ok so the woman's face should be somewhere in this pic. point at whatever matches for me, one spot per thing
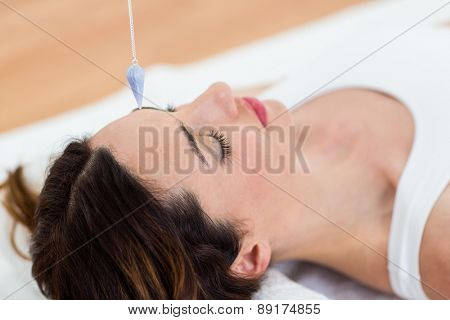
(215, 147)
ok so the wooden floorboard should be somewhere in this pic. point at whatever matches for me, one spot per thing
(41, 76)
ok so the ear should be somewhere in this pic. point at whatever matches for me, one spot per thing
(253, 259)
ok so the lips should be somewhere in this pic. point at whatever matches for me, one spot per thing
(258, 107)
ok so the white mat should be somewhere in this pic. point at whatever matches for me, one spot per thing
(260, 62)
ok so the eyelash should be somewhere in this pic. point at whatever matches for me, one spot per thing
(219, 136)
(223, 141)
(171, 107)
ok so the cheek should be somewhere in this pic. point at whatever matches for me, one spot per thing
(279, 150)
(265, 152)
(254, 199)
(252, 152)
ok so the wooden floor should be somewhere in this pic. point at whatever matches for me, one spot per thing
(56, 55)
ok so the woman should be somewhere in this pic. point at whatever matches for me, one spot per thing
(197, 201)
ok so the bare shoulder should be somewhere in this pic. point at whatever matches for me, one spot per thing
(435, 250)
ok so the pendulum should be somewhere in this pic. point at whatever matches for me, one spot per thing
(135, 73)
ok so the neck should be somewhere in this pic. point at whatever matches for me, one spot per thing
(312, 225)
(323, 211)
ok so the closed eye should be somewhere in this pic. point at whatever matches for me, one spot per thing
(225, 145)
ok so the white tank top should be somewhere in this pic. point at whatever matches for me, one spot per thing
(415, 69)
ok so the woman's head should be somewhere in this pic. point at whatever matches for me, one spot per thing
(101, 232)
(217, 148)
(125, 215)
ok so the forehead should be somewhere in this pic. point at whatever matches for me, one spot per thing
(142, 131)
(125, 130)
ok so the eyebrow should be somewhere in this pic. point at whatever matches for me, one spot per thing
(193, 143)
(153, 108)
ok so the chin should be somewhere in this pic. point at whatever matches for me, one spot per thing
(274, 109)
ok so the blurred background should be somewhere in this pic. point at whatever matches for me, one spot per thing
(57, 55)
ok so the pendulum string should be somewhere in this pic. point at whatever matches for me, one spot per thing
(135, 74)
(133, 44)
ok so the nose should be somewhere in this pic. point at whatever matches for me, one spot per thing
(216, 104)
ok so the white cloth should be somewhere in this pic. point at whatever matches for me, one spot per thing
(277, 286)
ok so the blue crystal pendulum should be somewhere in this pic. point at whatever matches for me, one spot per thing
(135, 74)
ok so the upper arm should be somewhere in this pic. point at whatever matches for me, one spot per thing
(435, 250)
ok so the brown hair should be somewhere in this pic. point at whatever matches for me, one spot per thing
(100, 232)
